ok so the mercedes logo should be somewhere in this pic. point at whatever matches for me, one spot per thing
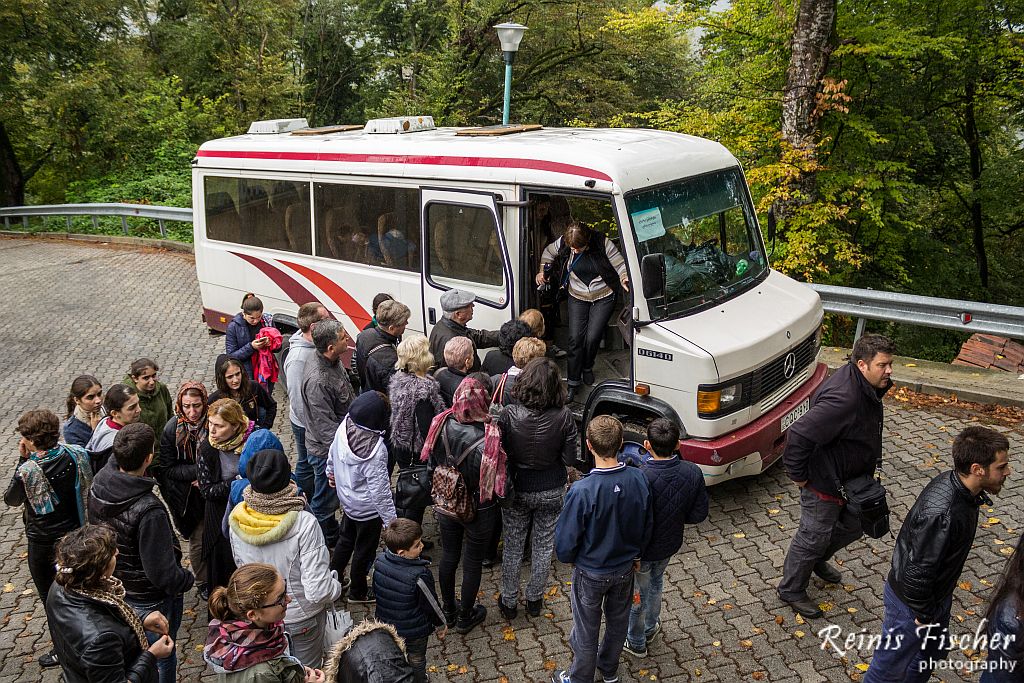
(789, 367)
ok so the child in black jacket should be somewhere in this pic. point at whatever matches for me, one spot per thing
(404, 587)
(678, 497)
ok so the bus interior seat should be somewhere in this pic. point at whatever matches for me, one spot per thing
(222, 221)
(296, 226)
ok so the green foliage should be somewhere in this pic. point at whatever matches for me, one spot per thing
(915, 176)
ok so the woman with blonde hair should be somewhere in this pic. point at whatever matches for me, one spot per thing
(96, 634)
(246, 640)
(415, 400)
(217, 466)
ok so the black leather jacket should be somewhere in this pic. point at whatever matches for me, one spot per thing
(933, 545)
(461, 436)
(369, 654)
(538, 440)
(62, 474)
(93, 642)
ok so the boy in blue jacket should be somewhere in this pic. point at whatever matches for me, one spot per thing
(602, 530)
(678, 498)
(406, 597)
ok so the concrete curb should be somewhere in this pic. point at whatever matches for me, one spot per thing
(974, 385)
(169, 245)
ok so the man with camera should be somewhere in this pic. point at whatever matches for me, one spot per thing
(831, 452)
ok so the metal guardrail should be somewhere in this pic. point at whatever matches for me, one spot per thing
(159, 213)
(926, 311)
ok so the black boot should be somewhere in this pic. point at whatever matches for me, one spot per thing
(467, 622)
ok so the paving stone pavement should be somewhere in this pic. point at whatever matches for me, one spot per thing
(73, 308)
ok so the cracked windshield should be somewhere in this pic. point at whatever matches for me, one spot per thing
(705, 228)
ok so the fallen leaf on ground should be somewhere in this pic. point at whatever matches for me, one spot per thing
(508, 633)
(861, 667)
(757, 675)
(779, 619)
(8, 587)
(739, 534)
(964, 585)
(549, 665)
(799, 634)
(747, 643)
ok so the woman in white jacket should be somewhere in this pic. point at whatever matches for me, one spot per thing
(357, 466)
(272, 526)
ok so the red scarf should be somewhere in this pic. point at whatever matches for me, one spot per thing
(238, 645)
(470, 404)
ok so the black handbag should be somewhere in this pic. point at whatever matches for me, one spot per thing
(412, 490)
(865, 498)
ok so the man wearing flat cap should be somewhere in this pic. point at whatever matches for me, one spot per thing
(457, 307)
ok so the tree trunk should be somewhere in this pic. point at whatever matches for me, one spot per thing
(12, 180)
(808, 63)
(973, 140)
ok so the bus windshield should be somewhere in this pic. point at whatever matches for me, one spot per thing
(706, 230)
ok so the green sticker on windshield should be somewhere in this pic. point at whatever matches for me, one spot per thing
(648, 224)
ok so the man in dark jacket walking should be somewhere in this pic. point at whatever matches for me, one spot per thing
(457, 308)
(149, 559)
(326, 394)
(930, 553)
(838, 439)
(376, 346)
(678, 497)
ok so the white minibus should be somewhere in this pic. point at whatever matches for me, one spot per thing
(707, 335)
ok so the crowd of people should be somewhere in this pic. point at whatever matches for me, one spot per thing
(416, 424)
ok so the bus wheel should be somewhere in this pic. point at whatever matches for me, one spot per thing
(634, 433)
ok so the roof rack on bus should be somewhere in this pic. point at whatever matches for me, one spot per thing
(276, 126)
(325, 130)
(500, 129)
(399, 124)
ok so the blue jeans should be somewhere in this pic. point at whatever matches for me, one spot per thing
(591, 595)
(303, 467)
(643, 617)
(325, 500)
(904, 654)
(171, 608)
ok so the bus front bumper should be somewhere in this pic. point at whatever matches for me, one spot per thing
(753, 448)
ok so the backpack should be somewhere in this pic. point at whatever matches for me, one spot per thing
(448, 488)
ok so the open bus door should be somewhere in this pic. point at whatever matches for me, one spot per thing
(463, 248)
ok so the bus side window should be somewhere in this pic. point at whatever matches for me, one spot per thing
(370, 225)
(464, 244)
(221, 214)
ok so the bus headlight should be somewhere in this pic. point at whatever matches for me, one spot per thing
(720, 400)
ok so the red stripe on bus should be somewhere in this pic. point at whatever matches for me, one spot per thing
(289, 285)
(345, 302)
(476, 162)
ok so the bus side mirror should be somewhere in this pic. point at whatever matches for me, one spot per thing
(772, 224)
(652, 270)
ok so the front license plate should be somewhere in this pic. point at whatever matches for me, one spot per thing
(792, 416)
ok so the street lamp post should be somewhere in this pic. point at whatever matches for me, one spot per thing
(509, 35)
